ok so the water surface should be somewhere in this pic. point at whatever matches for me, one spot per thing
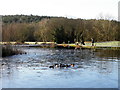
(93, 69)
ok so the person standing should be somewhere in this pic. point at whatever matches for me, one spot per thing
(92, 41)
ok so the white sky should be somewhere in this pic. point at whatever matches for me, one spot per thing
(85, 9)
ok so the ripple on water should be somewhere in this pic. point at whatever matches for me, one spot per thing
(34, 68)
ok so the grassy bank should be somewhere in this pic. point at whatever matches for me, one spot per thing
(107, 44)
(101, 45)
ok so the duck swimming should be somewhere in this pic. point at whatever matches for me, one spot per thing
(68, 66)
(56, 65)
(62, 65)
(51, 67)
(72, 65)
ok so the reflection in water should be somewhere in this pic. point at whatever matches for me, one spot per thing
(91, 66)
(108, 53)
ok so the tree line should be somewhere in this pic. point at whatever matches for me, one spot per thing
(22, 18)
(58, 29)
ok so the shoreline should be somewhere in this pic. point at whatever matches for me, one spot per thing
(88, 45)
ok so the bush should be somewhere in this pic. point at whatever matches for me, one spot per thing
(9, 51)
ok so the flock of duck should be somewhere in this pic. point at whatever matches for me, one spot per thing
(61, 65)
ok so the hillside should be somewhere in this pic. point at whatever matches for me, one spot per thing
(23, 28)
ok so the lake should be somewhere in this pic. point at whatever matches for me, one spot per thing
(94, 68)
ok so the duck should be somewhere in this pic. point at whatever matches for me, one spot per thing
(51, 67)
(72, 65)
(56, 65)
(68, 65)
(2, 64)
(62, 65)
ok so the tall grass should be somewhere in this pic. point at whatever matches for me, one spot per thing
(9, 51)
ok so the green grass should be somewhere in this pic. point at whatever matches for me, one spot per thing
(107, 44)
(102, 45)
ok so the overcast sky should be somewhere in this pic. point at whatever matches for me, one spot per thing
(86, 9)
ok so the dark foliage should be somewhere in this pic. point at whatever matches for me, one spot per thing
(22, 18)
(8, 51)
